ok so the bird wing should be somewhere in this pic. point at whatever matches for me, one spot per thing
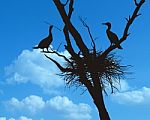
(112, 37)
(44, 43)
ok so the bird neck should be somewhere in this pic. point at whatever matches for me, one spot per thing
(50, 32)
(109, 27)
(50, 35)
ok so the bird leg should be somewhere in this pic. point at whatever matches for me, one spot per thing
(47, 49)
(43, 50)
(112, 44)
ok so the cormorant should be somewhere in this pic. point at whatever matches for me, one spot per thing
(112, 36)
(46, 41)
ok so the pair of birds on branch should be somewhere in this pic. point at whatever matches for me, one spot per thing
(45, 43)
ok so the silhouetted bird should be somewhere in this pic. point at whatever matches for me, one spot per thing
(112, 36)
(46, 41)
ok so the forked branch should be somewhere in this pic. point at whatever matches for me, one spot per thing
(75, 34)
(58, 54)
(130, 20)
(65, 3)
(59, 66)
(135, 2)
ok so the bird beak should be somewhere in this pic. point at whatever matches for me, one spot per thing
(103, 23)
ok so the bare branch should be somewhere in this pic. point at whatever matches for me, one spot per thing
(69, 47)
(59, 66)
(135, 2)
(130, 20)
(88, 28)
(75, 34)
(127, 19)
(88, 68)
(138, 15)
(83, 92)
(70, 8)
(59, 46)
(65, 3)
(58, 54)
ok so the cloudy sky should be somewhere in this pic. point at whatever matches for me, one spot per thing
(30, 88)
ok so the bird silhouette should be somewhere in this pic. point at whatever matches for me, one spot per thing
(112, 36)
(46, 41)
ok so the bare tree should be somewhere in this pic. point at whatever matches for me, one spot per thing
(91, 68)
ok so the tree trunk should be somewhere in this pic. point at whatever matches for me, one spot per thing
(99, 102)
(97, 96)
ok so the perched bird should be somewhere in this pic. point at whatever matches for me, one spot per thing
(46, 41)
(112, 36)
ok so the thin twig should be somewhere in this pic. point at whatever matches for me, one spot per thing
(135, 2)
(59, 66)
(56, 63)
(65, 3)
(88, 28)
(58, 54)
(70, 8)
(59, 46)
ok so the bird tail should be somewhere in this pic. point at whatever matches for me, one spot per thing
(119, 47)
(35, 47)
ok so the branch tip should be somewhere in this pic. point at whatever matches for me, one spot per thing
(138, 15)
(89, 32)
(128, 34)
(127, 19)
(136, 3)
(66, 3)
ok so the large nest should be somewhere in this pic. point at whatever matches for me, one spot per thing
(109, 71)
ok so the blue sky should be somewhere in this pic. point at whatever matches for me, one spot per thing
(29, 86)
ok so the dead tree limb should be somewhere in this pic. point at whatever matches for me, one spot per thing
(58, 54)
(61, 68)
(130, 20)
(76, 35)
(94, 70)
(90, 34)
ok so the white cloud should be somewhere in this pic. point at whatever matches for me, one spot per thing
(140, 96)
(128, 95)
(124, 86)
(20, 118)
(24, 118)
(35, 104)
(121, 86)
(72, 111)
(2, 118)
(34, 67)
(31, 104)
(11, 119)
